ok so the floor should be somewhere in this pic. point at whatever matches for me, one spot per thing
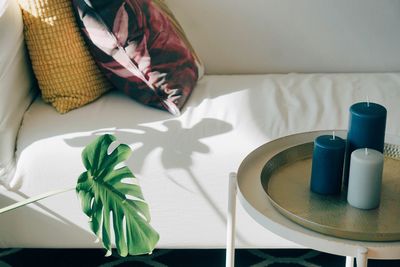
(176, 258)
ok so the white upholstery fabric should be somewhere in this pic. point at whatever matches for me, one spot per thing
(282, 36)
(182, 162)
(15, 82)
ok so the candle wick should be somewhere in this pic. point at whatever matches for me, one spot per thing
(367, 100)
(333, 135)
(366, 151)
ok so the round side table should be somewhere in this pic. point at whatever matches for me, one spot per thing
(247, 186)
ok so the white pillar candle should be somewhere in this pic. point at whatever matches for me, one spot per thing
(365, 178)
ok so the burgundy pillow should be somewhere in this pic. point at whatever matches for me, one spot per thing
(142, 50)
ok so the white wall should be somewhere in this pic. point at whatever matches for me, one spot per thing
(279, 36)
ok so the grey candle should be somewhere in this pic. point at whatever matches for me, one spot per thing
(365, 178)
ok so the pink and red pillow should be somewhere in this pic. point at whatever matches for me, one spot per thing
(142, 50)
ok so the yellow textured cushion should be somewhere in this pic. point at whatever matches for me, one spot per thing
(67, 75)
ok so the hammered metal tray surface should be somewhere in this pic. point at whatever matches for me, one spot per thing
(286, 178)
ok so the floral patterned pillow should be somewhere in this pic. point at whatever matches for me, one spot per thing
(142, 49)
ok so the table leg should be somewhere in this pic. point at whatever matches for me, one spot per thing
(362, 259)
(231, 218)
(349, 261)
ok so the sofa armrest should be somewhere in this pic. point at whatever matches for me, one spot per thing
(16, 83)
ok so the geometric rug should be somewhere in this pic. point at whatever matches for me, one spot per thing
(177, 258)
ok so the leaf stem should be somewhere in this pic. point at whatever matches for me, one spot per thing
(34, 199)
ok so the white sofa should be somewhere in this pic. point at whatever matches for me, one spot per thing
(273, 68)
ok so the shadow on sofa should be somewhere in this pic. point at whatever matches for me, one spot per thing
(175, 143)
(178, 144)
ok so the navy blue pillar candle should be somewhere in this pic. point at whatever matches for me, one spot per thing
(327, 165)
(367, 124)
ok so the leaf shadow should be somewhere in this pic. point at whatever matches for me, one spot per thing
(177, 143)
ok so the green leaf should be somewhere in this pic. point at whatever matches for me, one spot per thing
(104, 197)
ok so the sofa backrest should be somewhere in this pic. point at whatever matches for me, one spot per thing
(281, 36)
(235, 37)
(16, 82)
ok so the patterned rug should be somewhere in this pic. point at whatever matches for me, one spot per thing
(176, 258)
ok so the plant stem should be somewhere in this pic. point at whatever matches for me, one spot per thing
(34, 199)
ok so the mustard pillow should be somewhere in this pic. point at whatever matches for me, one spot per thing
(67, 75)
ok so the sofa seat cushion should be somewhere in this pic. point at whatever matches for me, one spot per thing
(182, 163)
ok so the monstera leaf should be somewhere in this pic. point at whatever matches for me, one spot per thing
(106, 195)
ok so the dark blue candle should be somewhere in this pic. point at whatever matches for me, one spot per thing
(367, 125)
(327, 164)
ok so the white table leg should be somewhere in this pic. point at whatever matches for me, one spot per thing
(362, 259)
(349, 261)
(231, 218)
